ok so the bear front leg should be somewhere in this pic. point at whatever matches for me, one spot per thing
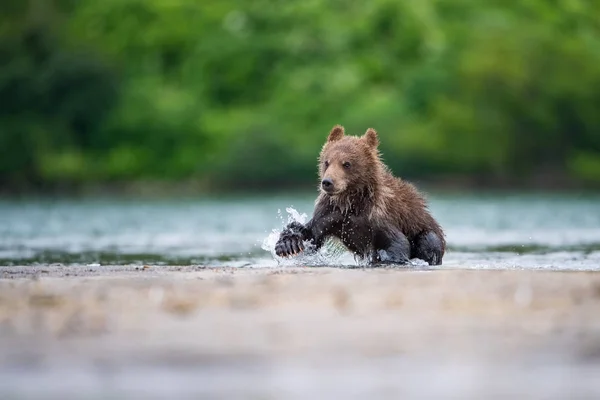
(428, 247)
(324, 223)
(391, 248)
(291, 240)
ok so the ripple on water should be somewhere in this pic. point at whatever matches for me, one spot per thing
(540, 232)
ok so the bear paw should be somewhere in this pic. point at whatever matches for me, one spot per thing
(290, 242)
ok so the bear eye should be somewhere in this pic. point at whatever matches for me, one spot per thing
(346, 165)
(326, 164)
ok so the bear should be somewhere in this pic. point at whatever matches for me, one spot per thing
(380, 218)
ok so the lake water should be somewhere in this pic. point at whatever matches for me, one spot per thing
(539, 231)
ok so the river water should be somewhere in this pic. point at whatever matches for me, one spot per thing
(540, 231)
(484, 231)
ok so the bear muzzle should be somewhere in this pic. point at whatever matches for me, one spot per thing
(327, 185)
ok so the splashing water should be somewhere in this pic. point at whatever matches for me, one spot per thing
(331, 253)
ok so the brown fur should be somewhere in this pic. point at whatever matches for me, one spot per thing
(364, 205)
(369, 187)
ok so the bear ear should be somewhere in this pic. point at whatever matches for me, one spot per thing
(336, 133)
(371, 137)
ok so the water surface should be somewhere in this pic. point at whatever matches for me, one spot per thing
(483, 231)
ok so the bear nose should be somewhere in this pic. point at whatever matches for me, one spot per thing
(327, 184)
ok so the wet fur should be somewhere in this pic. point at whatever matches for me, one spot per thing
(370, 211)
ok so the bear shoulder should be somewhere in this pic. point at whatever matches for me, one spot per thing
(400, 203)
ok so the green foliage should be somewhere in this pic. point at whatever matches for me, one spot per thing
(240, 93)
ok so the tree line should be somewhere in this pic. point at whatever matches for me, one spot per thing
(242, 94)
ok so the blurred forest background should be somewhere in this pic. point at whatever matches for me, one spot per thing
(242, 94)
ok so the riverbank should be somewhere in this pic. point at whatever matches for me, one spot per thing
(198, 188)
(489, 327)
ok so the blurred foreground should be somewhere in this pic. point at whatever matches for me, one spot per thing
(297, 333)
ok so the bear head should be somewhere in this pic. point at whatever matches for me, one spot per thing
(348, 164)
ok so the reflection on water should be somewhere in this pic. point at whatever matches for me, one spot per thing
(501, 231)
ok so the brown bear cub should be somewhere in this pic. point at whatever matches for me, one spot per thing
(377, 216)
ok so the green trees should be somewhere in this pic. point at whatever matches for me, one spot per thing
(243, 93)
(53, 97)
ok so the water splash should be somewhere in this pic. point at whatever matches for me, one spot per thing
(332, 252)
(415, 262)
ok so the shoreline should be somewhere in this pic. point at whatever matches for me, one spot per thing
(195, 324)
(492, 297)
(181, 271)
(195, 188)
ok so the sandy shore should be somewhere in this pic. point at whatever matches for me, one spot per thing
(298, 333)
